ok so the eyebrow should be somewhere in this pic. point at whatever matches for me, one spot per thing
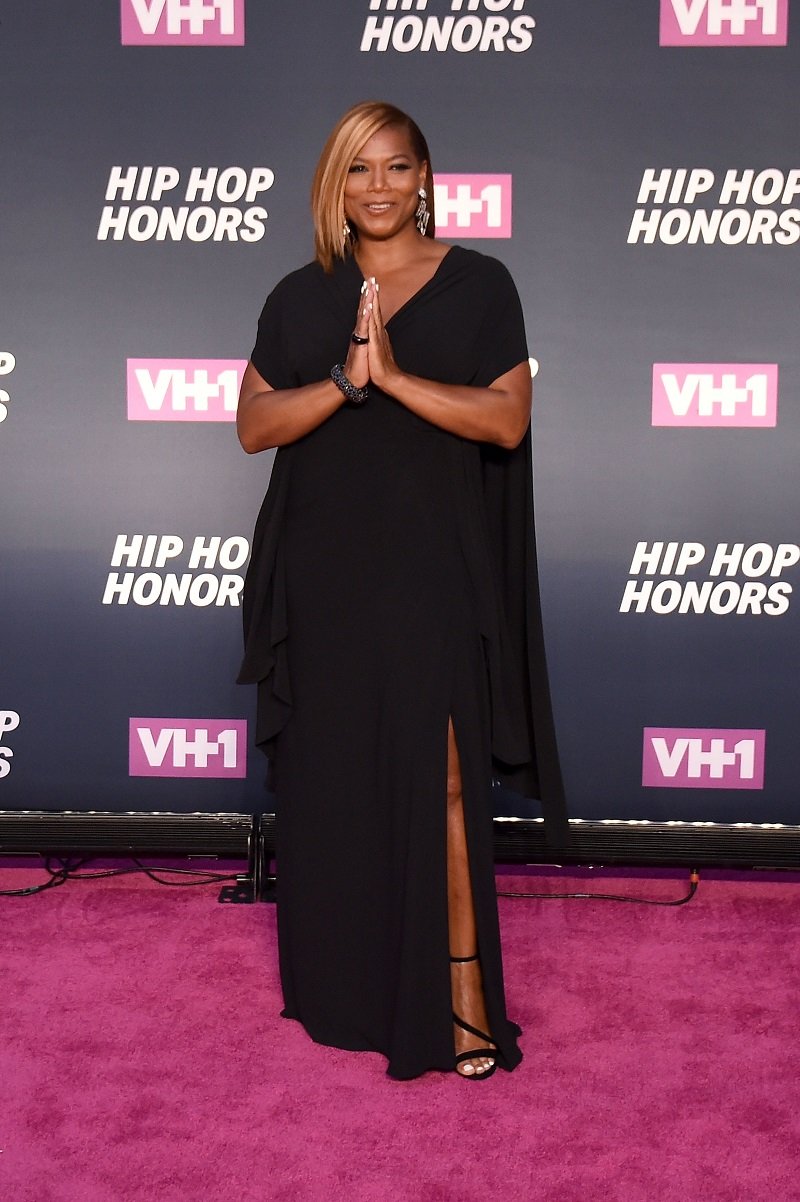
(403, 155)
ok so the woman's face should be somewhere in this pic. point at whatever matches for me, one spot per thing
(382, 189)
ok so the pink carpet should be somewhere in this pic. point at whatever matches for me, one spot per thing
(143, 1059)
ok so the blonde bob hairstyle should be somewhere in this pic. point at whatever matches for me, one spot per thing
(327, 190)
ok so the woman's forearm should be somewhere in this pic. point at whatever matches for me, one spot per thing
(499, 414)
(274, 417)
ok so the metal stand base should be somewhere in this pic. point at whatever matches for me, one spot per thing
(257, 885)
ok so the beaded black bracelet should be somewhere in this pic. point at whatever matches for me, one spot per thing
(356, 396)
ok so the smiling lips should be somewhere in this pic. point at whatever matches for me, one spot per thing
(379, 206)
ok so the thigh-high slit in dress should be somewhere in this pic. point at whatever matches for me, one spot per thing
(375, 611)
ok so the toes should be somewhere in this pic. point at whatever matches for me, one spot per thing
(473, 1068)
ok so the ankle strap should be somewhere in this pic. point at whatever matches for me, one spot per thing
(463, 959)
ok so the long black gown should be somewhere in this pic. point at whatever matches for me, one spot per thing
(374, 612)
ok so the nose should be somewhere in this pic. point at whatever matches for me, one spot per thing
(380, 181)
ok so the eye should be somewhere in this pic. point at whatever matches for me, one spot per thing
(354, 167)
(401, 167)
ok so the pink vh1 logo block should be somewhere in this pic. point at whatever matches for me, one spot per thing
(472, 206)
(213, 747)
(702, 758)
(724, 23)
(715, 394)
(182, 22)
(184, 390)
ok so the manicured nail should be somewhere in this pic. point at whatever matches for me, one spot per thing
(364, 287)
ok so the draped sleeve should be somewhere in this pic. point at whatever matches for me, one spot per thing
(264, 600)
(508, 498)
(269, 355)
(282, 355)
(502, 340)
(509, 509)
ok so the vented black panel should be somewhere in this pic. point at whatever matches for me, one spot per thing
(71, 833)
(516, 841)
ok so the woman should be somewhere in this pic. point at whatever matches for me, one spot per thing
(392, 374)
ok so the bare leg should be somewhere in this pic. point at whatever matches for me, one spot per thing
(465, 979)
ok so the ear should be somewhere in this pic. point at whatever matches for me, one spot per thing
(423, 174)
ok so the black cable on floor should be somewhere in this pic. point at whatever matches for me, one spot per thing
(694, 880)
(56, 878)
(210, 877)
(69, 871)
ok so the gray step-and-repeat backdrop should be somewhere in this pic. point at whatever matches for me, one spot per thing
(635, 163)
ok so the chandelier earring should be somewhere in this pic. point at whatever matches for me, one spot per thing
(347, 233)
(422, 215)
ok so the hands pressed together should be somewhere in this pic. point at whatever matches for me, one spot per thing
(373, 361)
(499, 413)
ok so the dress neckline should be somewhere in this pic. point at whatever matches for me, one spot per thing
(422, 288)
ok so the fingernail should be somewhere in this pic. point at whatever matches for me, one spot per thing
(372, 279)
(364, 287)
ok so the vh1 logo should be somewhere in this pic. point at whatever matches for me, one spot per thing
(715, 394)
(724, 22)
(472, 206)
(184, 390)
(182, 22)
(214, 747)
(701, 758)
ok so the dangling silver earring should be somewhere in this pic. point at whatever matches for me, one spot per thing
(422, 215)
(347, 233)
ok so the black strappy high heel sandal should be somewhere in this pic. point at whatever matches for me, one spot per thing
(474, 1053)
